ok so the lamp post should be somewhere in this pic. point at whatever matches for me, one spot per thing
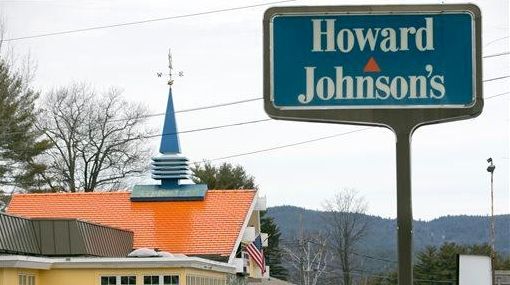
(490, 169)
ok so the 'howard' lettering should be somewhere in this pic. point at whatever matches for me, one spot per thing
(327, 37)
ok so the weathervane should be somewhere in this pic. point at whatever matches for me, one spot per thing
(170, 80)
(170, 68)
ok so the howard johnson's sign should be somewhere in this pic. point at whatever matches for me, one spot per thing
(400, 67)
(370, 59)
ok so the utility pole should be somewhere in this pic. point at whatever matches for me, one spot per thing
(490, 169)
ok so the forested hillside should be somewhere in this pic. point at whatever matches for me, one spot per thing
(381, 238)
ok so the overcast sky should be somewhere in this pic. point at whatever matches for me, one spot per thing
(221, 57)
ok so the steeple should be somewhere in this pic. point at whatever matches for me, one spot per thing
(170, 166)
(170, 138)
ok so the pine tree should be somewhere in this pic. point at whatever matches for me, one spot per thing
(20, 142)
(272, 252)
(228, 176)
(427, 265)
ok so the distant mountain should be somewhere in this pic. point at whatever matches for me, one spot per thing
(381, 239)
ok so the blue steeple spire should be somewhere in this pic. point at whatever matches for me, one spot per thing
(170, 138)
(170, 166)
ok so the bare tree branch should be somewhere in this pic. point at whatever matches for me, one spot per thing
(98, 140)
(347, 223)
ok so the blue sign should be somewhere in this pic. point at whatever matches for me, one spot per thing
(370, 60)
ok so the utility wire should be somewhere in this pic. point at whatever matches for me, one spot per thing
(354, 271)
(368, 273)
(73, 31)
(228, 104)
(496, 40)
(208, 128)
(496, 55)
(281, 146)
(301, 142)
(497, 78)
(202, 108)
(260, 98)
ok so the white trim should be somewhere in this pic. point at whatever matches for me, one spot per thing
(47, 263)
(20, 261)
(245, 224)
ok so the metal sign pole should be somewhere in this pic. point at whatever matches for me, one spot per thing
(404, 207)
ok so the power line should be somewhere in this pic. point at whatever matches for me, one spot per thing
(260, 98)
(300, 143)
(497, 78)
(219, 126)
(497, 95)
(148, 21)
(203, 107)
(496, 40)
(229, 104)
(497, 54)
(283, 146)
(209, 128)
(371, 273)
(182, 111)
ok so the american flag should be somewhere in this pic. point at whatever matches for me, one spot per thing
(256, 252)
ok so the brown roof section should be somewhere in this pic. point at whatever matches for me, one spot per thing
(208, 227)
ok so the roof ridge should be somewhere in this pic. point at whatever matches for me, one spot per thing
(230, 190)
(72, 193)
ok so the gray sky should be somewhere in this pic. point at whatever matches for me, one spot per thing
(221, 57)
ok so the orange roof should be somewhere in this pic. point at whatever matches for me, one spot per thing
(211, 226)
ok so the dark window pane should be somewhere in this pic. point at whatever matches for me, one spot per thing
(151, 280)
(128, 280)
(108, 280)
(171, 280)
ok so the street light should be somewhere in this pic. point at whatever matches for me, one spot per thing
(490, 169)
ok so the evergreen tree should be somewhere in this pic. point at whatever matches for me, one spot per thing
(441, 264)
(273, 252)
(20, 142)
(427, 263)
(228, 176)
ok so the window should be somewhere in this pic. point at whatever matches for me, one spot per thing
(128, 280)
(171, 280)
(151, 280)
(118, 280)
(161, 280)
(26, 279)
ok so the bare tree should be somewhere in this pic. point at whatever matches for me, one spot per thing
(309, 257)
(98, 141)
(347, 223)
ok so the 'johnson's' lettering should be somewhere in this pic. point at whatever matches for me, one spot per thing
(345, 87)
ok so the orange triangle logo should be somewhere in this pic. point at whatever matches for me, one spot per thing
(371, 66)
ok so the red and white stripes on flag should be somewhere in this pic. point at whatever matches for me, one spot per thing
(256, 252)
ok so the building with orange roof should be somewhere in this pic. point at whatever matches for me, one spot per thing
(209, 228)
(182, 219)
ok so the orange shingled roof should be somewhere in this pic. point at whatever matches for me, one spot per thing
(208, 227)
